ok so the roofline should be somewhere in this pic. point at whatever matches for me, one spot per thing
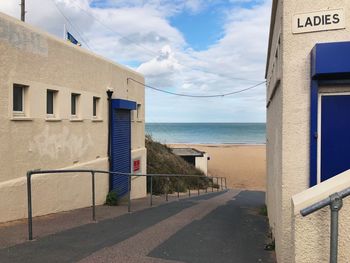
(67, 44)
(200, 153)
(272, 29)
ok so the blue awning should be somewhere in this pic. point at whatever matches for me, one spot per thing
(124, 104)
(331, 61)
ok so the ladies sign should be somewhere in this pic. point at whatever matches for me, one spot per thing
(318, 21)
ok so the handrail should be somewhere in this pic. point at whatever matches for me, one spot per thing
(93, 172)
(335, 202)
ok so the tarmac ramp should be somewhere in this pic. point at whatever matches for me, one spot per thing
(215, 227)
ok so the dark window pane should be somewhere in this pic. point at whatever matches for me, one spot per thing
(49, 101)
(18, 97)
(94, 109)
(74, 99)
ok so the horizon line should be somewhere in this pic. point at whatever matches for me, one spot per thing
(207, 122)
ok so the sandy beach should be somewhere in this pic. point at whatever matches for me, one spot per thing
(242, 165)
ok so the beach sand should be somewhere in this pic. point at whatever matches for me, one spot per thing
(242, 165)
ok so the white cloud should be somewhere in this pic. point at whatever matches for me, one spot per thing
(162, 69)
(143, 34)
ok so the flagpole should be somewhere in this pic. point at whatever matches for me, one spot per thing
(23, 10)
(64, 32)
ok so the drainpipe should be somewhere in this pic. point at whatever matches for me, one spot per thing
(109, 95)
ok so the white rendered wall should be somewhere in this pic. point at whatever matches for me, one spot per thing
(288, 114)
(202, 163)
(34, 58)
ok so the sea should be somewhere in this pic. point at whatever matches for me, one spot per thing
(207, 133)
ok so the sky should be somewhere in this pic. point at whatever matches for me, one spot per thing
(196, 47)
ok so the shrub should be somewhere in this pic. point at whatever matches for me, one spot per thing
(161, 160)
(112, 198)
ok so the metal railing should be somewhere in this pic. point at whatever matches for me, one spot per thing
(335, 203)
(129, 175)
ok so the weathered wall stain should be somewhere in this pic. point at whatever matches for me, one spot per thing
(49, 144)
(23, 39)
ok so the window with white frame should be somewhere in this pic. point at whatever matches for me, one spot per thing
(138, 112)
(95, 107)
(74, 104)
(51, 96)
(18, 105)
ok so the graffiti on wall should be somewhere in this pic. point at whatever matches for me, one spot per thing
(64, 144)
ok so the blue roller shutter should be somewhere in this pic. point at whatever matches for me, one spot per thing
(121, 149)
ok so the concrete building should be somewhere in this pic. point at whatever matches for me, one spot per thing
(54, 114)
(193, 156)
(308, 105)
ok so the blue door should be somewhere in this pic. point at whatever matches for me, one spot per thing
(335, 135)
(121, 149)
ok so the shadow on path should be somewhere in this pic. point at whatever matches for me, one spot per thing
(77, 243)
(234, 232)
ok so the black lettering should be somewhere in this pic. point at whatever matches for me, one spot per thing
(322, 19)
(317, 20)
(328, 19)
(308, 22)
(299, 25)
(336, 18)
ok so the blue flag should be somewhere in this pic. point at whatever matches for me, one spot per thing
(72, 39)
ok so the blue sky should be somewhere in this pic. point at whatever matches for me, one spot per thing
(200, 30)
(200, 47)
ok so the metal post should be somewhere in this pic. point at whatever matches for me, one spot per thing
(109, 150)
(206, 185)
(151, 190)
(335, 206)
(189, 192)
(129, 193)
(93, 196)
(217, 183)
(29, 198)
(212, 184)
(225, 183)
(198, 184)
(178, 187)
(23, 10)
(166, 188)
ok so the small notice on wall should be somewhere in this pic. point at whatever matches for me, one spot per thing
(319, 21)
(136, 166)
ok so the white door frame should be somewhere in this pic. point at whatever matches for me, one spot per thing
(319, 125)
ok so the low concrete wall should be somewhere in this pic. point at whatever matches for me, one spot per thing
(311, 234)
(52, 193)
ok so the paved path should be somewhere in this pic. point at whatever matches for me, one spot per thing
(216, 227)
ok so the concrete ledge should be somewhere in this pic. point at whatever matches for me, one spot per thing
(311, 234)
(320, 191)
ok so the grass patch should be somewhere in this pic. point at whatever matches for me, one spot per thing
(161, 160)
(263, 210)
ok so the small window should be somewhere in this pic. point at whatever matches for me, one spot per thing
(74, 104)
(18, 98)
(50, 102)
(95, 106)
(138, 111)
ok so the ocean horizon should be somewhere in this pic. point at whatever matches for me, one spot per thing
(207, 133)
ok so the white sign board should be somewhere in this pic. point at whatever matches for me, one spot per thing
(318, 21)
